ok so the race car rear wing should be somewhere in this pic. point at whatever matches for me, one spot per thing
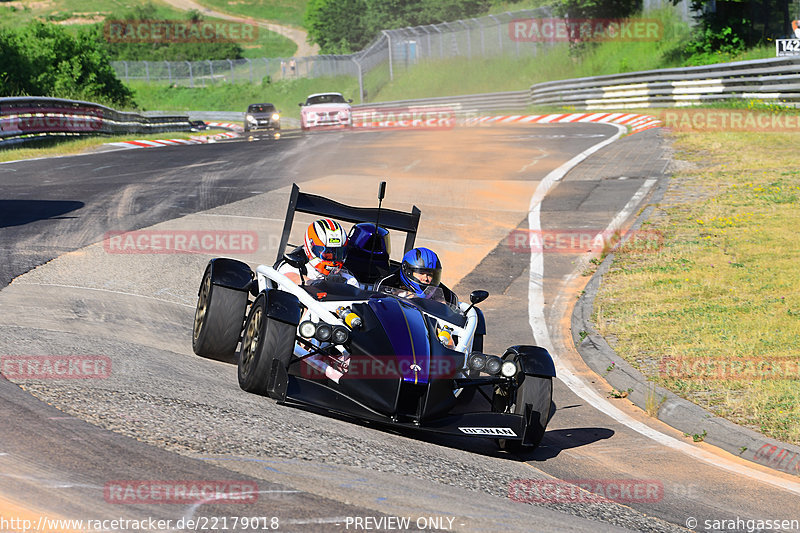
(318, 205)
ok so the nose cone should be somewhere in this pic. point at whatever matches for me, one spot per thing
(407, 331)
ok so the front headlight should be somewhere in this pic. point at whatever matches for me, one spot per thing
(509, 369)
(493, 364)
(307, 329)
(276, 116)
(477, 361)
(250, 118)
(340, 335)
(323, 333)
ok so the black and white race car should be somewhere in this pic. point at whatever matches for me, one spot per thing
(374, 353)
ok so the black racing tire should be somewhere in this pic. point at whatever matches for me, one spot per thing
(536, 392)
(218, 320)
(264, 340)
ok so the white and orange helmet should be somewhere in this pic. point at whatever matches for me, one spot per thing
(325, 245)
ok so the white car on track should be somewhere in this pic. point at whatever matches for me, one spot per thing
(325, 110)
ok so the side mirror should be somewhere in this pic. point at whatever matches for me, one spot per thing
(349, 100)
(300, 104)
(477, 297)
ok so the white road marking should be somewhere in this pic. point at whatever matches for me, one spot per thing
(542, 155)
(239, 216)
(632, 204)
(565, 371)
(70, 166)
(106, 290)
(207, 163)
(412, 165)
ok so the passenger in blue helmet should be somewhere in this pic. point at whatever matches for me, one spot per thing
(420, 270)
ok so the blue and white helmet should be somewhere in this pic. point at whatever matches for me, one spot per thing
(420, 269)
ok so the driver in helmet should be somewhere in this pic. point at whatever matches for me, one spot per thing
(420, 271)
(420, 274)
(325, 245)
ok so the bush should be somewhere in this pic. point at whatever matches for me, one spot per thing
(345, 26)
(45, 60)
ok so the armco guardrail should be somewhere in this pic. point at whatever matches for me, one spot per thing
(29, 118)
(776, 80)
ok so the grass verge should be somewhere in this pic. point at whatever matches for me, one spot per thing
(285, 94)
(60, 147)
(714, 314)
(287, 12)
(449, 77)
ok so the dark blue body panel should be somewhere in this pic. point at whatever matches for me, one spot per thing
(408, 334)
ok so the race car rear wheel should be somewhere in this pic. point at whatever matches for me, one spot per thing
(218, 320)
(533, 399)
(264, 340)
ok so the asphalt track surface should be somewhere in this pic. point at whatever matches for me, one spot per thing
(175, 416)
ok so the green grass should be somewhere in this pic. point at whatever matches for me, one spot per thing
(236, 97)
(56, 147)
(81, 13)
(269, 44)
(505, 6)
(509, 73)
(284, 11)
(725, 286)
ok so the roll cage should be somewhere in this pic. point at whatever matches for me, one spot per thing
(313, 204)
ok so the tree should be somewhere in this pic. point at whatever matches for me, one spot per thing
(45, 60)
(602, 9)
(337, 26)
(346, 26)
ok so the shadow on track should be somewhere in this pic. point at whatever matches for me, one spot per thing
(21, 212)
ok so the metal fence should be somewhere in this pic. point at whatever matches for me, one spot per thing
(210, 72)
(392, 51)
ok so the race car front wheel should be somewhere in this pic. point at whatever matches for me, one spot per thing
(533, 399)
(265, 340)
(218, 320)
